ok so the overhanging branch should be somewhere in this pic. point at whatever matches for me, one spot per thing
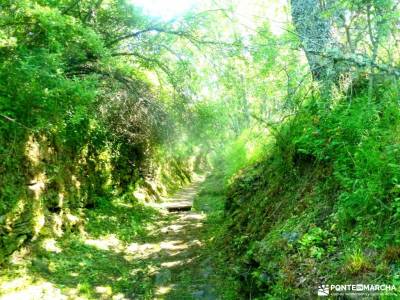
(360, 61)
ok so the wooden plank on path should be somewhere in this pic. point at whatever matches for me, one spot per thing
(176, 206)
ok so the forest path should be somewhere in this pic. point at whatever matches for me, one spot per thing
(126, 251)
(182, 269)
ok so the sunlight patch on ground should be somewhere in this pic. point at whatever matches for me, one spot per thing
(13, 284)
(119, 296)
(174, 228)
(195, 243)
(105, 291)
(42, 291)
(193, 216)
(135, 250)
(107, 242)
(50, 245)
(166, 248)
(173, 245)
(162, 290)
(171, 264)
(132, 248)
(155, 228)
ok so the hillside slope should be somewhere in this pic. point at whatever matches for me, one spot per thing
(322, 206)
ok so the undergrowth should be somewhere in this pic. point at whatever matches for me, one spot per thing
(97, 263)
(320, 205)
(211, 200)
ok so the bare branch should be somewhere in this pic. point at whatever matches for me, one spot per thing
(360, 61)
(16, 122)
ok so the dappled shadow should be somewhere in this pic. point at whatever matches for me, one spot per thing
(184, 272)
(102, 261)
(128, 251)
(86, 270)
(128, 221)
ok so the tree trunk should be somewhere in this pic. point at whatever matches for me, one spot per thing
(315, 35)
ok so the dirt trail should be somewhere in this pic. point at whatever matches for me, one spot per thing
(182, 271)
(165, 260)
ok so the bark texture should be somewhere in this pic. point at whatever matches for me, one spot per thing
(315, 34)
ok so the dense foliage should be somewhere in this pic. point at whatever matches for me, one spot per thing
(318, 203)
(298, 124)
(81, 113)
